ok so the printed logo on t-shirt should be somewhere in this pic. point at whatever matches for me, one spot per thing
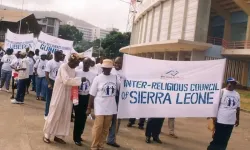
(55, 71)
(43, 67)
(84, 87)
(109, 89)
(8, 60)
(230, 101)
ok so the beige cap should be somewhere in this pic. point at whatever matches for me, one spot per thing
(107, 63)
(23, 53)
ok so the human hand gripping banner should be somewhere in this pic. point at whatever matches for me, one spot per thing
(18, 42)
(159, 88)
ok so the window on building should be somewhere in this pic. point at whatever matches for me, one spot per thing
(44, 20)
(50, 30)
(51, 21)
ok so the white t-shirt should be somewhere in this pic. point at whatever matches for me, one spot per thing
(36, 57)
(40, 65)
(31, 65)
(80, 67)
(7, 59)
(119, 75)
(15, 63)
(85, 86)
(52, 67)
(104, 90)
(99, 68)
(230, 101)
(24, 64)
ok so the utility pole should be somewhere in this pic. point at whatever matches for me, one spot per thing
(20, 25)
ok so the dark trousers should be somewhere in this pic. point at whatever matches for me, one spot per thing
(80, 117)
(141, 121)
(1, 63)
(28, 82)
(154, 126)
(221, 137)
(21, 86)
(48, 97)
(33, 82)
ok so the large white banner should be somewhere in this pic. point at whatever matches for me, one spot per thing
(159, 88)
(51, 44)
(18, 42)
(88, 53)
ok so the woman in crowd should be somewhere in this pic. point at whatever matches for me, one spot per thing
(58, 122)
(6, 69)
(14, 65)
(39, 68)
(31, 66)
(102, 94)
(81, 108)
(228, 116)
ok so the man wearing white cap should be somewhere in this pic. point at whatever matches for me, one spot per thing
(23, 75)
(102, 94)
(228, 116)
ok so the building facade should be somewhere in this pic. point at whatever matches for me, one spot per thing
(50, 25)
(189, 30)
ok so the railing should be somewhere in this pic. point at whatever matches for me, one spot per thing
(229, 44)
(214, 40)
(236, 44)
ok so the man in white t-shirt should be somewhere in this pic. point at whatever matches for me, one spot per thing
(41, 83)
(117, 70)
(102, 94)
(6, 69)
(50, 74)
(23, 75)
(228, 116)
(99, 65)
(81, 108)
(31, 69)
(1, 56)
(36, 57)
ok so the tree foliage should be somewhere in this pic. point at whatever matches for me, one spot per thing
(114, 42)
(71, 33)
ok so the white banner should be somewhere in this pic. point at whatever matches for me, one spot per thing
(51, 44)
(159, 88)
(88, 53)
(18, 42)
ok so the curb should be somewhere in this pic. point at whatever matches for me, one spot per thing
(247, 111)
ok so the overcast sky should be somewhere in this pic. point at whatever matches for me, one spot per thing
(101, 13)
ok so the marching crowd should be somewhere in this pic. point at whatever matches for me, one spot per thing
(98, 82)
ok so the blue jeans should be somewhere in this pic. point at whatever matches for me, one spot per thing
(5, 78)
(113, 130)
(21, 88)
(33, 80)
(40, 86)
(48, 97)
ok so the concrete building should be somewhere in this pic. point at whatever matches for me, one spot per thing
(189, 30)
(50, 25)
(112, 29)
(10, 19)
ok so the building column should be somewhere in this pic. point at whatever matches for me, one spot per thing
(227, 30)
(247, 46)
(166, 56)
(181, 56)
(197, 55)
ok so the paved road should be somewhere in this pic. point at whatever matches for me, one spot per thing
(21, 129)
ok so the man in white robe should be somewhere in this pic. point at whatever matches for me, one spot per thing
(58, 121)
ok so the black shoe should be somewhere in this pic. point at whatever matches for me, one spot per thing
(148, 140)
(157, 140)
(114, 144)
(78, 143)
(141, 127)
(130, 125)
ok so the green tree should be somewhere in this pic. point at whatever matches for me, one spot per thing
(71, 33)
(114, 42)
